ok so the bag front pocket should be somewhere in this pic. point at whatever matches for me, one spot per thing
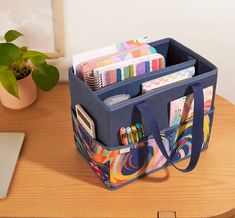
(140, 159)
(132, 162)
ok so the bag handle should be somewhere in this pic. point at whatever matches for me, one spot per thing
(148, 119)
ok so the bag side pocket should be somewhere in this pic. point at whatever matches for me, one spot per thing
(92, 151)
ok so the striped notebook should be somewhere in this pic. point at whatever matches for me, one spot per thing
(112, 73)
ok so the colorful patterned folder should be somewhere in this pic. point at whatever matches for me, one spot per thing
(168, 79)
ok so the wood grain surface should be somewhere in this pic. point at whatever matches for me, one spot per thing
(52, 180)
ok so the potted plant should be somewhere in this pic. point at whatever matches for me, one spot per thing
(21, 70)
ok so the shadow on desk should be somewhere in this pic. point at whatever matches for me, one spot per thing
(70, 162)
(61, 156)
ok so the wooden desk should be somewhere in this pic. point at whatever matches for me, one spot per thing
(52, 180)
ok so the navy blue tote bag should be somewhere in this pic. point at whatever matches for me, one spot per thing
(162, 145)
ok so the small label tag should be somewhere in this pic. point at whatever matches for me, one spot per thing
(124, 150)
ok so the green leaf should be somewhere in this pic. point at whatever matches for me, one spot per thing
(12, 35)
(3, 69)
(8, 80)
(46, 80)
(40, 64)
(31, 53)
(22, 51)
(8, 53)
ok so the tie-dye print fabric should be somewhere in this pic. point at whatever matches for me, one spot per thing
(124, 164)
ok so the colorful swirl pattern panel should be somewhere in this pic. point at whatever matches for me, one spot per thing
(118, 167)
(146, 156)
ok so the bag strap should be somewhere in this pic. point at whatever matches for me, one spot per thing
(148, 119)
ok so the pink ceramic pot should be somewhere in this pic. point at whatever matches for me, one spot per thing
(27, 93)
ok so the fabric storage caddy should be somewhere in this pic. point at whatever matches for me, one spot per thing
(117, 165)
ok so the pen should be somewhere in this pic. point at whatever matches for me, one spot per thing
(123, 136)
(140, 130)
(135, 136)
(128, 131)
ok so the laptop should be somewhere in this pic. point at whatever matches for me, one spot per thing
(10, 146)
